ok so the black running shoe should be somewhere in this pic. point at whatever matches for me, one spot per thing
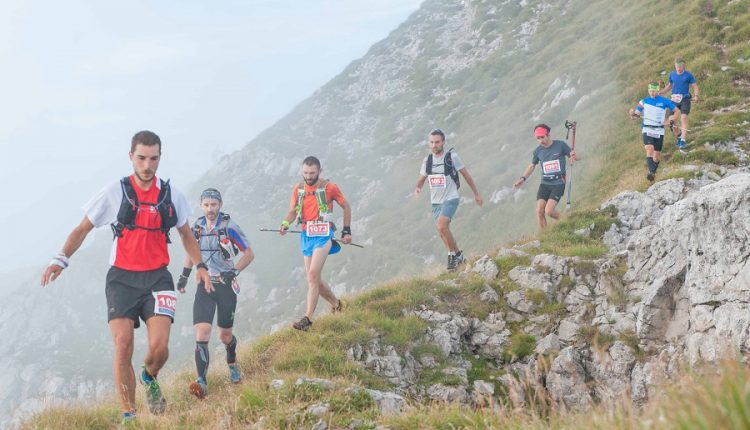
(451, 265)
(650, 177)
(304, 324)
(338, 308)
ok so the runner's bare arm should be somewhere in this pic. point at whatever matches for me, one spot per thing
(288, 220)
(420, 184)
(668, 87)
(194, 254)
(696, 92)
(72, 243)
(347, 219)
(524, 177)
(245, 260)
(472, 185)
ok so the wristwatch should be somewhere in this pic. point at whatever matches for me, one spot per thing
(202, 265)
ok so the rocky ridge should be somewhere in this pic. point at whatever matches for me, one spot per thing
(673, 292)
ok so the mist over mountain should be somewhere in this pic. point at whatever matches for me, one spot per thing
(483, 71)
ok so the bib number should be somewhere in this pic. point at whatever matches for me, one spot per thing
(318, 229)
(236, 286)
(653, 134)
(676, 98)
(437, 182)
(552, 166)
(165, 303)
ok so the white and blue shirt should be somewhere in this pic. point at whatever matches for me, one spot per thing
(654, 111)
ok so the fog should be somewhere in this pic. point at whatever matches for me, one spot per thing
(81, 77)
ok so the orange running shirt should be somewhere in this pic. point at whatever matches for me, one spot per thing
(310, 203)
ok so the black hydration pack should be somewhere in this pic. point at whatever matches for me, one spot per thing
(228, 249)
(130, 204)
(448, 168)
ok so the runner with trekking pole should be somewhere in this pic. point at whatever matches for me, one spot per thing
(312, 206)
(551, 154)
(653, 109)
(570, 126)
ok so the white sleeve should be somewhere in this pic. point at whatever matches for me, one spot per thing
(458, 164)
(423, 169)
(102, 209)
(181, 205)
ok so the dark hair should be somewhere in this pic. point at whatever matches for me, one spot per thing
(311, 161)
(438, 132)
(146, 138)
(544, 126)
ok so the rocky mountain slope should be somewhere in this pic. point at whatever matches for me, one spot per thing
(484, 71)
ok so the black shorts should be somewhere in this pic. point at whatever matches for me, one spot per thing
(554, 192)
(205, 305)
(657, 142)
(135, 295)
(684, 105)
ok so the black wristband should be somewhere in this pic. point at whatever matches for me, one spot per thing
(186, 271)
(201, 265)
(346, 230)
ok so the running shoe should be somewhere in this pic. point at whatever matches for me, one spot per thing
(198, 388)
(455, 260)
(451, 265)
(154, 398)
(338, 308)
(234, 373)
(128, 419)
(681, 143)
(303, 324)
(650, 177)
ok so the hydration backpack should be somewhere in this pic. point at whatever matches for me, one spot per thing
(130, 204)
(448, 168)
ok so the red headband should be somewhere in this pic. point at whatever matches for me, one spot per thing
(540, 132)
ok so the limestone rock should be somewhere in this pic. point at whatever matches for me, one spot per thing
(486, 268)
(566, 381)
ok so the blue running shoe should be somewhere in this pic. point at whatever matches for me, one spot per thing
(154, 398)
(199, 388)
(234, 373)
(128, 418)
(681, 144)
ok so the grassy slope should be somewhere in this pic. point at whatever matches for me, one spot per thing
(708, 34)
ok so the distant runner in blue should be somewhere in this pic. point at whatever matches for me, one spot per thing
(680, 82)
(653, 109)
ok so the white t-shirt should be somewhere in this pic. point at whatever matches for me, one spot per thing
(442, 187)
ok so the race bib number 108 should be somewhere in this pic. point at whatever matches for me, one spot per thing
(437, 182)
(165, 303)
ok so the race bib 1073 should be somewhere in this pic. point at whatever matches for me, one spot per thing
(437, 182)
(318, 229)
(676, 98)
(165, 303)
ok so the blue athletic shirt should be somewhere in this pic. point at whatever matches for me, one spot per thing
(654, 111)
(681, 83)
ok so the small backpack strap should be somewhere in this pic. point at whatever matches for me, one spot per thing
(428, 165)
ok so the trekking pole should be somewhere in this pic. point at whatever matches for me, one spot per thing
(570, 126)
(276, 230)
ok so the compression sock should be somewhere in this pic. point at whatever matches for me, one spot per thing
(651, 165)
(201, 359)
(232, 350)
(656, 166)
